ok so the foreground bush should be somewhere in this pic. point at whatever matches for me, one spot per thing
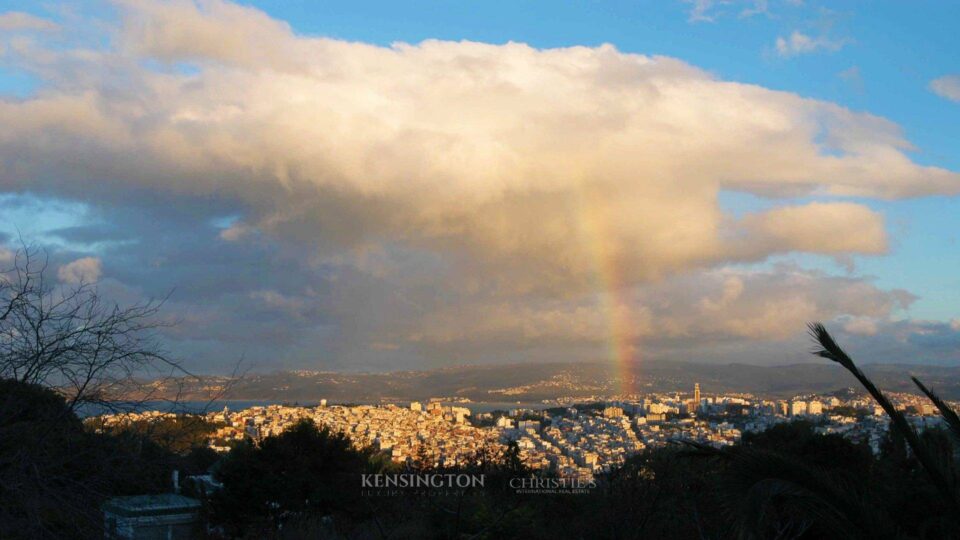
(54, 475)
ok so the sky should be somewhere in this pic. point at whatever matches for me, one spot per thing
(391, 185)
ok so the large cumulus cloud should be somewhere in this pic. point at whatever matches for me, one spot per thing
(442, 183)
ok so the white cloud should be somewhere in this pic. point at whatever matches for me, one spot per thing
(947, 86)
(83, 270)
(851, 75)
(757, 7)
(294, 306)
(864, 326)
(17, 20)
(210, 30)
(521, 162)
(701, 10)
(235, 232)
(798, 43)
(711, 10)
(821, 227)
(485, 185)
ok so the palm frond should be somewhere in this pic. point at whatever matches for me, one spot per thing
(948, 414)
(811, 508)
(760, 485)
(830, 350)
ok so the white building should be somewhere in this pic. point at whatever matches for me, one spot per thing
(814, 408)
(798, 408)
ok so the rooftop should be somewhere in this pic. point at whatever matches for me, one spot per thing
(151, 505)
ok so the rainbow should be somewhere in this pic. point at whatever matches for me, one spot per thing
(611, 288)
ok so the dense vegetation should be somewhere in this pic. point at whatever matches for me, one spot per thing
(54, 474)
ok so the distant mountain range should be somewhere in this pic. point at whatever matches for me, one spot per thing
(536, 382)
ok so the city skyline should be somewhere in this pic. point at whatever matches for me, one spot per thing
(315, 187)
(566, 437)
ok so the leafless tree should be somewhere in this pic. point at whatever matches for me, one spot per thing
(96, 356)
(67, 336)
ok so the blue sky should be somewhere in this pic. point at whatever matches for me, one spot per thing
(876, 59)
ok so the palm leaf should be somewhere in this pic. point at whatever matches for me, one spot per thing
(830, 350)
(757, 482)
(948, 414)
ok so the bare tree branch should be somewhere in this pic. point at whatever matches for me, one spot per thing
(70, 338)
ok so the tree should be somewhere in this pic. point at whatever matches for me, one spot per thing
(64, 346)
(54, 475)
(511, 459)
(304, 471)
(831, 452)
(68, 337)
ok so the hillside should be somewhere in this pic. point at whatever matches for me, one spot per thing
(534, 382)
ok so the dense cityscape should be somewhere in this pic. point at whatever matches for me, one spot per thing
(577, 440)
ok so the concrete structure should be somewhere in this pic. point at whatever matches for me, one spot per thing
(524, 425)
(152, 517)
(814, 408)
(612, 412)
(798, 408)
